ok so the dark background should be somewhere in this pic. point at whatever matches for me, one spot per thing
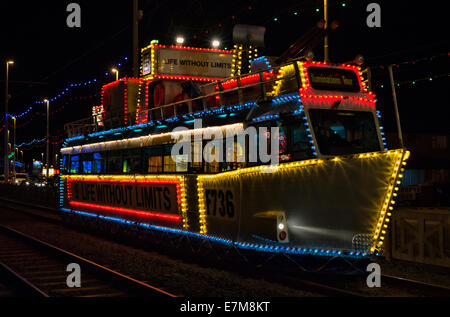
(53, 56)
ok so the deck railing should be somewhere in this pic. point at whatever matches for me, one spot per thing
(254, 87)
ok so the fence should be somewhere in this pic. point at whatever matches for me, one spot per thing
(43, 196)
(421, 235)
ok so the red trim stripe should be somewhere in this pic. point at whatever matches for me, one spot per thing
(146, 214)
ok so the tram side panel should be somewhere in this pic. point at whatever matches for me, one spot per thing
(219, 201)
(154, 200)
(327, 204)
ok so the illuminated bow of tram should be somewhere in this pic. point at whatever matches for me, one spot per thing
(333, 191)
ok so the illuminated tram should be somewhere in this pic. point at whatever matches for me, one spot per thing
(332, 193)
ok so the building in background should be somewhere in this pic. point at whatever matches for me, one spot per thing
(427, 178)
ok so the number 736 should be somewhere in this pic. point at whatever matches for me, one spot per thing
(219, 202)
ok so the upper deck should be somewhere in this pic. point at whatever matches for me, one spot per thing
(158, 103)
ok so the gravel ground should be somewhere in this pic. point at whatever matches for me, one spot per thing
(416, 271)
(4, 291)
(189, 279)
(172, 275)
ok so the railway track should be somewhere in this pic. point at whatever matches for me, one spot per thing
(416, 287)
(310, 282)
(36, 268)
(355, 285)
(294, 282)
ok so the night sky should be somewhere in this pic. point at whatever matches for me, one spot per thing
(50, 56)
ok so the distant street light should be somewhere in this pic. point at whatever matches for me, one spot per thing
(14, 149)
(216, 43)
(6, 159)
(48, 136)
(325, 46)
(114, 70)
(180, 40)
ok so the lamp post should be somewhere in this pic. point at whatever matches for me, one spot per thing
(394, 97)
(114, 70)
(6, 159)
(14, 150)
(42, 161)
(48, 137)
(136, 18)
(325, 15)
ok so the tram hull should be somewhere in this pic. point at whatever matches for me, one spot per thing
(329, 204)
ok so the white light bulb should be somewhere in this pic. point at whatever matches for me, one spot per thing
(180, 40)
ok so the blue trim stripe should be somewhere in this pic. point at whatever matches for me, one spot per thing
(242, 245)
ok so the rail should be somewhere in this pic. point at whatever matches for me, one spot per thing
(34, 265)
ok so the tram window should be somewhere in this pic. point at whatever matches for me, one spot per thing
(264, 134)
(284, 145)
(197, 155)
(97, 168)
(98, 165)
(87, 167)
(74, 164)
(175, 163)
(66, 159)
(169, 164)
(153, 159)
(213, 155)
(283, 140)
(132, 161)
(155, 164)
(234, 154)
(154, 151)
(178, 164)
(115, 162)
(86, 163)
(168, 149)
(300, 147)
(345, 132)
(133, 165)
(126, 168)
(294, 142)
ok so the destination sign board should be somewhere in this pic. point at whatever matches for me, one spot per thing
(323, 78)
(179, 61)
(143, 196)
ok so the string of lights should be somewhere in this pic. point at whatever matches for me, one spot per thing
(39, 141)
(414, 61)
(413, 83)
(60, 95)
(298, 11)
(294, 11)
(65, 92)
(35, 141)
(54, 112)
